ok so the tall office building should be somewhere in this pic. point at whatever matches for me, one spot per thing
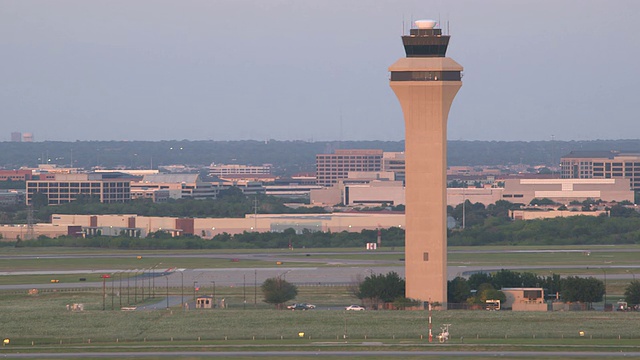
(16, 137)
(425, 82)
(602, 165)
(331, 168)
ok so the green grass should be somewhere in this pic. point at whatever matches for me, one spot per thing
(44, 319)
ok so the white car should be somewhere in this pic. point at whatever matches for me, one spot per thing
(354, 308)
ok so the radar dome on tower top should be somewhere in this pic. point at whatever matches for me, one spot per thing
(425, 24)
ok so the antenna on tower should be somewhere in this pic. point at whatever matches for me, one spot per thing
(403, 25)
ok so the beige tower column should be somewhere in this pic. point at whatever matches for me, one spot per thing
(426, 86)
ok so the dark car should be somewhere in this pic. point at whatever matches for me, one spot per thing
(300, 307)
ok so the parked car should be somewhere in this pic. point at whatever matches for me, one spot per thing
(300, 307)
(354, 308)
(290, 307)
(309, 306)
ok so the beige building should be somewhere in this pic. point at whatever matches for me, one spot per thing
(21, 231)
(134, 225)
(65, 188)
(524, 299)
(331, 168)
(564, 191)
(425, 83)
(487, 195)
(178, 186)
(602, 165)
(550, 214)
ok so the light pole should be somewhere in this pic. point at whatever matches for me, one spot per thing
(213, 295)
(128, 291)
(104, 289)
(194, 290)
(632, 274)
(103, 292)
(120, 287)
(605, 288)
(112, 293)
(167, 278)
(154, 278)
(244, 291)
(182, 289)
(135, 289)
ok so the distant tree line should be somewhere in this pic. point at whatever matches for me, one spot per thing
(230, 203)
(288, 157)
(487, 286)
(246, 240)
(491, 226)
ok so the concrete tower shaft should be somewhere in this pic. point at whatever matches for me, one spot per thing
(426, 86)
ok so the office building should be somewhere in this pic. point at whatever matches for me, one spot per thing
(602, 165)
(330, 168)
(426, 82)
(65, 188)
(220, 170)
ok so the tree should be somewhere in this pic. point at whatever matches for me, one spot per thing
(458, 290)
(382, 288)
(278, 291)
(632, 293)
(585, 290)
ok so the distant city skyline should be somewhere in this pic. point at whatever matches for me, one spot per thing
(298, 70)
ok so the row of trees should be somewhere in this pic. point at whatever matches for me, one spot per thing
(487, 286)
(247, 240)
(379, 289)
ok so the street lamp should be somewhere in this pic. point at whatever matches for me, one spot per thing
(182, 288)
(632, 274)
(104, 289)
(135, 289)
(120, 287)
(154, 278)
(112, 293)
(213, 295)
(167, 278)
(194, 290)
(605, 287)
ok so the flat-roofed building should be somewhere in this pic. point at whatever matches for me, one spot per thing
(602, 165)
(330, 168)
(394, 162)
(221, 170)
(524, 299)
(65, 188)
(208, 227)
(15, 175)
(566, 190)
(188, 185)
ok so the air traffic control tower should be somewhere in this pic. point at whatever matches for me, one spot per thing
(425, 83)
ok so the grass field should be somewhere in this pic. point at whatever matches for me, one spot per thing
(43, 320)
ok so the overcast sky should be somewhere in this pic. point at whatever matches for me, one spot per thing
(311, 70)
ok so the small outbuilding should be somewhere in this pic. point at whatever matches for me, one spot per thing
(204, 302)
(524, 299)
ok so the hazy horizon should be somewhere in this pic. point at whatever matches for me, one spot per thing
(311, 71)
